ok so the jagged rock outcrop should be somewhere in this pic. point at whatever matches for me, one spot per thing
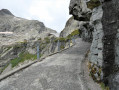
(102, 17)
(83, 27)
(70, 26)
(79, 10)
(5, 12)
(95, 25)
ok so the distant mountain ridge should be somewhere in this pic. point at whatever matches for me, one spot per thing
(21, 28)
(5, 12)
(25, 34)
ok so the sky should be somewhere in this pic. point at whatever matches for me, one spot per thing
(53, 13)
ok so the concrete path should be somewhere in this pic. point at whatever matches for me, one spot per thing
(61, 71)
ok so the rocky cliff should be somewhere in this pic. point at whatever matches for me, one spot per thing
(23, 39)
(102, 19)
(21, 28)
(70, 26)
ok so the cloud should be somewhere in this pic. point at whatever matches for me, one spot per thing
(40, 9)
(53, 13)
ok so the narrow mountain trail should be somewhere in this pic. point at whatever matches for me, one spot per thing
(61, 71)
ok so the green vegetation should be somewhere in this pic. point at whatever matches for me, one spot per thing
(23, 42)
(102, 85)
(76, 32)
(61, 39)
(62, 47)
(93, 3)
(8, 48)
(22, 57)
(93, 70)
(17, 46)
(47, 40)
(39, 39)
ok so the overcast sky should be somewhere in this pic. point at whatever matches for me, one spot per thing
(53, 13)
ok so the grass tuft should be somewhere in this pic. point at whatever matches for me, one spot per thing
(103, 87)
(22, 57)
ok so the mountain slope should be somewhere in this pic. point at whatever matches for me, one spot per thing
(21, 37)
(21, 28)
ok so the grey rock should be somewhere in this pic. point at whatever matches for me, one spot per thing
(79, 9)
(21, 28)
(70, 26)
(114, 81)
(96, 75)
(11, 45)
(110, 42)
(104, 50)
(93, 59)
(100, 45)
(5, 12)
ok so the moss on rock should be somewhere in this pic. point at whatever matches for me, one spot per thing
(93, 3)
(95, 71)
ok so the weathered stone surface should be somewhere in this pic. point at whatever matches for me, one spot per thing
(104, 50)
(114, 81)
(79, 10)
(110, 22)
(21, 28)
(5, 12)
(77, 7)
(70, 26)
(97, 34)
(11, 45)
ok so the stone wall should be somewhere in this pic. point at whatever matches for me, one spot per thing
(103, 18)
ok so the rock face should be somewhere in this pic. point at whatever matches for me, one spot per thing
(5, 12)
(21, 28)
(110, 42)
(70, 26)
(102, 17)
(89, 27)
(84, 28)
(79, 10)
(97, 45)
(11, 45)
